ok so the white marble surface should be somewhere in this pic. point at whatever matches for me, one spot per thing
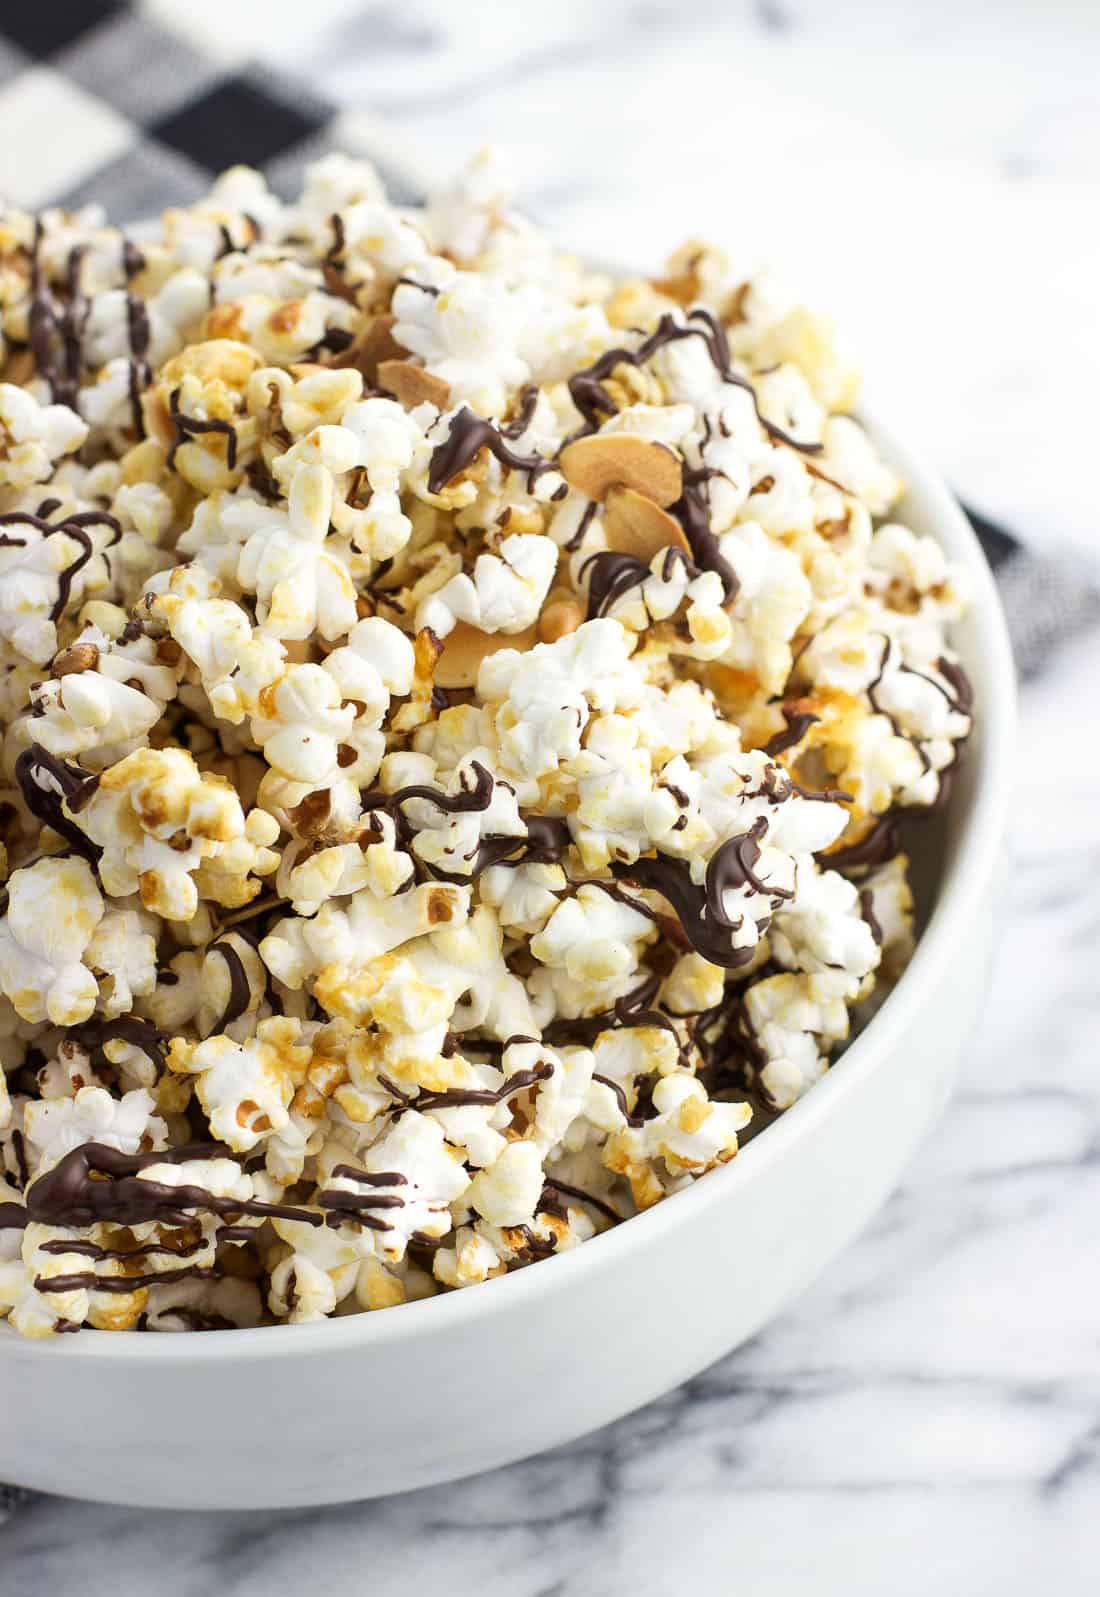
(927, 1418)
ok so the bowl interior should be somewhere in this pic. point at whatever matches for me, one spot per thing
(955, 857)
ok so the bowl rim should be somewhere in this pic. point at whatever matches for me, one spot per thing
(969, 874)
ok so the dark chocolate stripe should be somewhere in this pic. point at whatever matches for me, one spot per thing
(191, 426)
(88, 1280)
(799, 723)
(240, 989)
(45, 801)
(593, 401)
(584, 1197)
(461, 1097)
(94, 1183)
(469, 435)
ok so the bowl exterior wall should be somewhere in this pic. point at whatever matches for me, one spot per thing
(351, 1422)
(292, 1416)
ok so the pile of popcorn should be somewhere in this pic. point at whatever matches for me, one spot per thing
(457, 711)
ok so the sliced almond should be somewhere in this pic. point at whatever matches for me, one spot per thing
(426, 651)
(413, 385)
(634, 525)
(20, 367)
(77, 657)
(466, 647)
(680, 286)
(374, 344)
(156, 418)
(302, 651)
(561, 615)
(611, 460)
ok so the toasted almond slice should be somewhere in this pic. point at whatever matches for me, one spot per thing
(155, 416)
(413, 385)
(680, 286)
(466, 647)
(561, 614)
(77, 657)
(611, 460)
(427, 648)
(374, 344)
(20, 367)
(634, 525)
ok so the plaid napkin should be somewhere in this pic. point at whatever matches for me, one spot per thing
(119, 107)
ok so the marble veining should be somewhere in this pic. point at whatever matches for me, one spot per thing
(927, 1418)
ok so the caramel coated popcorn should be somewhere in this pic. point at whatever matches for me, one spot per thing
(458, 711)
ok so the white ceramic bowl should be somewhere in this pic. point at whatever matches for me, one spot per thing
(369, 1404)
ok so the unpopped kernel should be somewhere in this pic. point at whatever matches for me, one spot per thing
(459, 712)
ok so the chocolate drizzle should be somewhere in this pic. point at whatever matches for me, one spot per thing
(82, 1280)
(133, 261)
(425, 288)
(582, 526)
(554, 1185)
(547, 839)
(611, 576)
(959, 682)
(55, 330)
(130, 1029)
(629, 1011)
(528, 402)
(371, 1178)
(731, 1055)
(96, 1183)
(140, 1250)
(692, 511)
(877, 846)
(357, 1205)
(547, 836)
(240, 989)
(74, 526)
(63, 784)
(732, 866)
(192, 426)
(141, 373)
(594, 402)
(469, 435)
(799, 723)
(19, 1148)
(700, 909)
(474, 799)
(462, 1097)
(617, 1088)
(867, 911)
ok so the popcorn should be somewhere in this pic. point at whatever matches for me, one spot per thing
(458, 715)
(54, 1127)
(507, 1192)
(792, 1016)
(34, 437)
(301, 584)
(245, 1088)
(54, 908)
(103, 702)
(505, 593)
(157, 820)
(42, 571)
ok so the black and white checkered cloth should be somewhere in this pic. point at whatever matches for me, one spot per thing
(135, 107)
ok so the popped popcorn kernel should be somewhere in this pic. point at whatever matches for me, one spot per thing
(459, 717)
